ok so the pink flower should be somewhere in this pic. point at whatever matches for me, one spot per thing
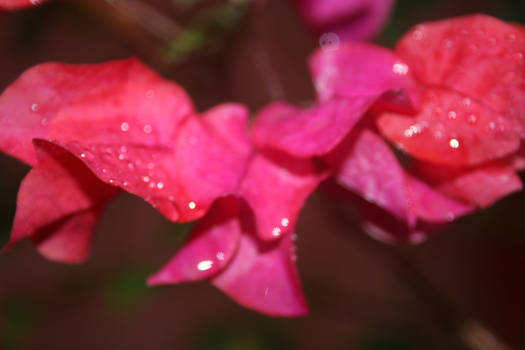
(91, 131)
(350, 19)
(450, 97)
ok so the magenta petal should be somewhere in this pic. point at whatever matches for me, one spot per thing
(180, 168)
(305, 133)
(263, 277)
(15, 4)
(211, 246)
(58, 204)
(432, 206)
(350, 19)
(483, 186)
(359, 70)
(367, 166)
(276, 187)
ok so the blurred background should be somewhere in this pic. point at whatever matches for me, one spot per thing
(461, 289)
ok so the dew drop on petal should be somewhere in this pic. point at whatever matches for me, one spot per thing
(192, 205)
(35, 107)
(160, 185)
(454, 143)
(148, 129)
(285, 222)
(452, 115)
(205, 265)
(400, 68)
(146, 178)
(220, 256)
(276, 232)
(124, 127)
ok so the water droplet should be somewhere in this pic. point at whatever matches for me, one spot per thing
(492, 126)
(150, 94)
(220, 256)
(35, 107)
(452, 115)
(146, 178)
(121, 157)
(412, 130)
(83, 155)
(512, 37)
(152, 185)
(151, 166)
(276, 232)
(454, 143)
(148, 129)
(124, 127)
(467, 102)
(205, 265)
(160, 185)
(44, 121)
(125, 184)
(111, 181)
(131, 166)
(417, 34)
(192, 205)
(400, 68)
(285, 222)
(472, 119)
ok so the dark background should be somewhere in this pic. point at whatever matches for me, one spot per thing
(461, 289)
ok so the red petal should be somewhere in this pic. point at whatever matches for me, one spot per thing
(58, 205)
(29, 105)
(276, 187)
(263, 277)
(211, 246)
(451, 129)
(305, 133)
(479, 56)
(483, 186)
(359, 70)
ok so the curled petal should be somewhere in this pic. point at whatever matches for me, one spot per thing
(58, 205)
(306, 133)
(366, 165)
(350, 19)
(478, 56)
(263, 277)
(361, 70)
(451, 129)
(276, 187)
(210, 248)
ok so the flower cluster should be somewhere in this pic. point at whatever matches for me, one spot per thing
(450, 97)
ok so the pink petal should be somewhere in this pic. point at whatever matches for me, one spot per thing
(430, 205)
(14, 4)
(263, 277)
(360, 70)
(209, 249)
(305, 133)
(367, 166)
(478, 56)
(350, 19)
(29, 105)
(58, 205)
(276, 188)
(451, 129)
(483, 186)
